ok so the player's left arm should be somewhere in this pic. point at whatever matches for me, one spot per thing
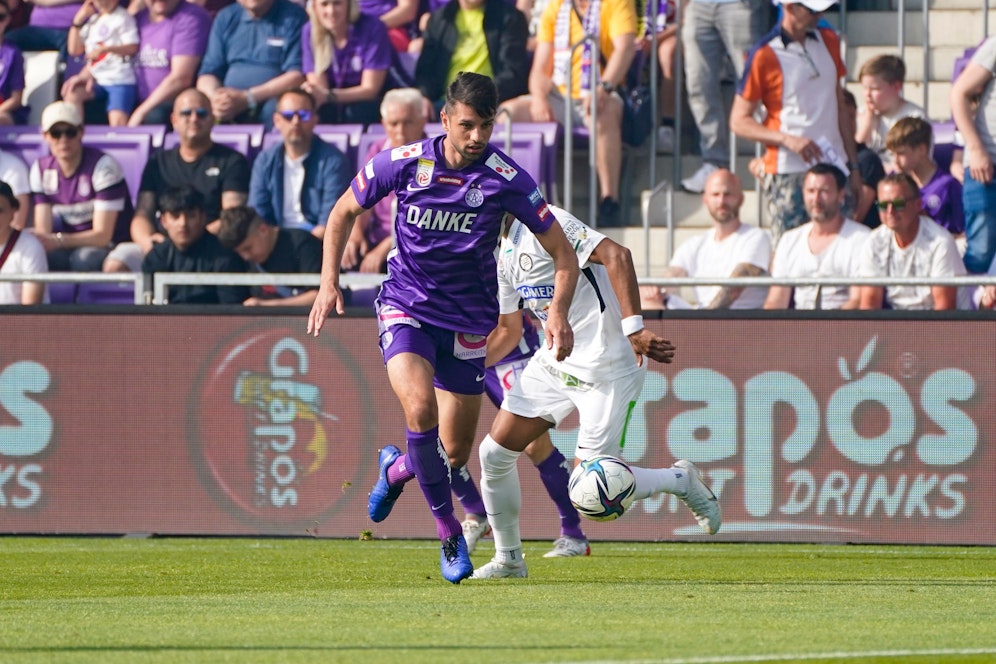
(557, 329)
(618, 262)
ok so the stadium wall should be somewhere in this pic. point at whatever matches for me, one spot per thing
(181, 422)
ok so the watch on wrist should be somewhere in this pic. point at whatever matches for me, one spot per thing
(608, 87)
(251, 101)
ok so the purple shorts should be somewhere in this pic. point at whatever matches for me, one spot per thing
(457, 358)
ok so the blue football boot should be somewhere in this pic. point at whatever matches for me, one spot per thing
(383, 495)
(454, 560)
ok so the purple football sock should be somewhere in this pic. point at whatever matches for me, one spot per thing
(466, 492)
(428, 459)
(400, 471)
(555, 472)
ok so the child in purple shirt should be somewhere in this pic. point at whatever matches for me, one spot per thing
(910, 140)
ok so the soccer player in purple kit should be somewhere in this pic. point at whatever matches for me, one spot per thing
(439, 301)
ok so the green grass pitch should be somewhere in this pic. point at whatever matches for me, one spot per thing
(310, 600)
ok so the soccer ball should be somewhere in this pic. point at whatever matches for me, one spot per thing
(602, 488)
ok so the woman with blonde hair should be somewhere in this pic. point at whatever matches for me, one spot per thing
(346, 57)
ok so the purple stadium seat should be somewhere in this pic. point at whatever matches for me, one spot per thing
(346, 137)
(944, 143)
(26, 142)
(105, 293)
(131, 151)
(240, 141)
(156, 133)
(62, 292)
(366, 141)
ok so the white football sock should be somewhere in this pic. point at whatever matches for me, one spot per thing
(502, 495)
(651, 481)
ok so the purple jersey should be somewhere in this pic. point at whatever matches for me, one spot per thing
(97, 184)
(11, 71)
(54, 16)
(367, 47)
(942, 202)
(184, 32)
(443, 269)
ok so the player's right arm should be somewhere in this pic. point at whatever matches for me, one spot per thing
(339, 225)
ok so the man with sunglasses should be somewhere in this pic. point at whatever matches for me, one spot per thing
(82, 204)
(296, 182)
(793, 72)
(218, 172)
(908, 244)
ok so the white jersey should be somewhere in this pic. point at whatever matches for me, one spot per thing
(793, 258)
(525, 274)
(705, 256)
(27, 257)
(933, 253)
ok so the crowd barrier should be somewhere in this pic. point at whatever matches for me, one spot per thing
(203, 421)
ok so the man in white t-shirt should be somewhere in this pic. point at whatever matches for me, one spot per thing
(20, 253)
(827, 246)
(14, 172)
(730, 249)
(908, 244)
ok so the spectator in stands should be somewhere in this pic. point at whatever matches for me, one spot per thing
(560, 28)
(48, 27)
(882, 80)
(482, 36)
(730, 249)
(911, 141)
(870, 171)
(20, 253)
(978, 129)
(12, 109)
(81, 202)
(172, 39)
(346, 56)
(295, 183)
(14, 172)
(667, 45)
(828, 246)
(907, 244)
(398, 17)
(793, 72)
(108, 35)
(370, 240)
(253, 54)
(716, 35)
(188, 247)
(218, 172)
(275, 250)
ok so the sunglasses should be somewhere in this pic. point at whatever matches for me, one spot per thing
(897, 205)
(304, 115)
(199, 112)
(71, 132)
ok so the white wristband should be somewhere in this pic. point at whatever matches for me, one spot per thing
(632, 324)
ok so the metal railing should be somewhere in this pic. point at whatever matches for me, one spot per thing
(569, 133)
(137, 279)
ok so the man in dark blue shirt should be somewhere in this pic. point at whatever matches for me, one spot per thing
(253, 54)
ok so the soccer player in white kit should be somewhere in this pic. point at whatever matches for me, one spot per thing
(602, 378)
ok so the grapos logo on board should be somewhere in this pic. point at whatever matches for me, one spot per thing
(875, 433)
(273, 441)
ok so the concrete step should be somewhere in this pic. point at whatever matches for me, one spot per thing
(949, 27)
(940, 66)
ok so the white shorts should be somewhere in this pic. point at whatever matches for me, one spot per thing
(603, 408)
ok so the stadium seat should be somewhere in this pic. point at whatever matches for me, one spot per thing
(366, 140)
(156, 133)
(131, 150)
(105, 293)
(62, 292)
(944, 143)
(331, 132)
(41, 84)
(240, 141)
(26, 142)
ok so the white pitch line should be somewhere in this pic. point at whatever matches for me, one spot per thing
(798, 657)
